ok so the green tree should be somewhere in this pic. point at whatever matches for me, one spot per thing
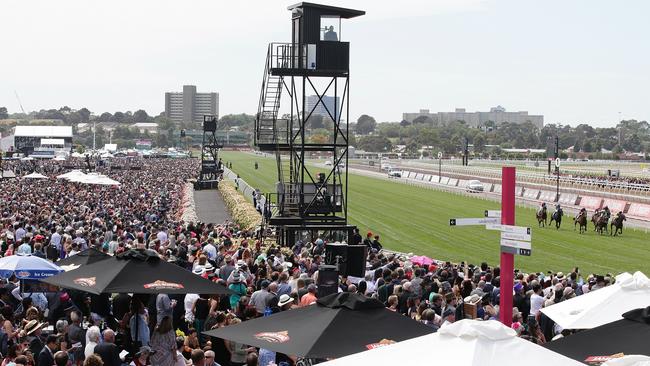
(424, 120)
(140, 116)
(84, 114)
(3, 113)
(479, 144)
(375, 143)
(105, 117)
(365, 125)
(118, 117)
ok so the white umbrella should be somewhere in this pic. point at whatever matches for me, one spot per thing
(71, 174)
(464, 343)
(602, 306)
(27, 158)
(59, 158)
(35, 176)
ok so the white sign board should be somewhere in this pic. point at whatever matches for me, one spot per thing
(515, 236)
(474, 221)
(493, 213)
(439, 155)
(557, 162)
(516, 244)
(509, 228)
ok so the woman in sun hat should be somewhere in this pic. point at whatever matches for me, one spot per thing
(238, 287)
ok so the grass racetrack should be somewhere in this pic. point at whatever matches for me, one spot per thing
(414, 219)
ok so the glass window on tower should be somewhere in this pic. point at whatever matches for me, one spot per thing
(330, 28)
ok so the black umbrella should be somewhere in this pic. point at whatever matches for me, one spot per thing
(88, 256)
(629, 336)
(337, 325)
(136, 271)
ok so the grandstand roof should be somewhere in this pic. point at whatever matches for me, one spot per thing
(43, 131)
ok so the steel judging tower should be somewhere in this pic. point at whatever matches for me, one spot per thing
(210, 165)
(310, 75)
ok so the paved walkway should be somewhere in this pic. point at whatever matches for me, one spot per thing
(210, 207)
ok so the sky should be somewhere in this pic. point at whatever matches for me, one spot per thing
(578, 61)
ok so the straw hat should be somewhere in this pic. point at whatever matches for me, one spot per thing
(32, 326)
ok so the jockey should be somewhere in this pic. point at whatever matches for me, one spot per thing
(606, 212)
(541, 207)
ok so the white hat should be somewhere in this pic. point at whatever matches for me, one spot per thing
(198, 270)
(285, 299)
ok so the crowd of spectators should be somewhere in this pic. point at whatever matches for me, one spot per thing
(56, 219)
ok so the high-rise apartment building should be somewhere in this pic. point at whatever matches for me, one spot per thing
(496, 114)
(330, 102)
(190, 106)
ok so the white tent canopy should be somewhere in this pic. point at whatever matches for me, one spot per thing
(93, 178)
(71, 174)
(602, 306)
(35, 176)
(464, 343)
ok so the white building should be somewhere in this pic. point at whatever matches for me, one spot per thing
(496, 114)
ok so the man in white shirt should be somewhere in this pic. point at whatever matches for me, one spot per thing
(162, 236)
(210, 250)
(536, 300)
(56, 238)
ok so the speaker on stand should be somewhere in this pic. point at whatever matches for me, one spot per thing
(328, 280)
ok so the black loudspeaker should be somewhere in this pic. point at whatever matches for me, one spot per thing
(351, 259)
(328, 280)
(356, 264)
(337, 255)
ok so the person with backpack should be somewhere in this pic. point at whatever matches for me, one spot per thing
(238, 287)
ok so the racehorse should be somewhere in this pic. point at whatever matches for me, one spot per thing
(557, 217)
(601, 224)
(617, 224)
(580, 219)
(594, 218)
(541, 217)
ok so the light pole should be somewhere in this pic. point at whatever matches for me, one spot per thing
(557, 169)
(94, 134)
(439, 166)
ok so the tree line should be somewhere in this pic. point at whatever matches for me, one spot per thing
(628, 135)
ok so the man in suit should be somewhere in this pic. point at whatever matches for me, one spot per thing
(108, 351)
(46, 356)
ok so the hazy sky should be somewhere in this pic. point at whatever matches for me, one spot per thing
(572, 61)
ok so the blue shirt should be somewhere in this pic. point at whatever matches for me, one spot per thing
(265, 357)
(143, 331)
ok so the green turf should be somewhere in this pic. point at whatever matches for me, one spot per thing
(414, 219)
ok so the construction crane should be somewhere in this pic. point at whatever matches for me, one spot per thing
(19, 102)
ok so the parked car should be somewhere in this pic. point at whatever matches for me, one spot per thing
(328, 163)
(474, 186)
(395, 174)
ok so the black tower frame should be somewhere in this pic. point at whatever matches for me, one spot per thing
(210, 166)
(309, 202)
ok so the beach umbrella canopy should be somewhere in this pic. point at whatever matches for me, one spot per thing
(463, 343)
(136, 271)
(27, 267)
(337, 325)
(628, 336)
(602, 306)
(88, 256)
(35, 175)
(71, 174)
